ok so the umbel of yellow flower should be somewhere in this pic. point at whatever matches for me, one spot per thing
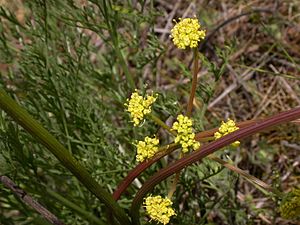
(147, 148)
(290, 206)
(187, 33)
(159, 209)
(138, 106)
(227, 128)
(185, 135)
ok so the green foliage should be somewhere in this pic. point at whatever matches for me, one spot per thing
(77, 100)
(72, 65)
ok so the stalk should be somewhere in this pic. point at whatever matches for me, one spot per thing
(194, 83)
(196, 156)
(165, 150)
(162, 124)
(140, 168)
(23, 118)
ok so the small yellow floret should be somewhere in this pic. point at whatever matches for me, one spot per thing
(187, 33)
(290, 206)
(185, 135)
(146, 149)
(159, 209)
(138, 106)
(227, 128)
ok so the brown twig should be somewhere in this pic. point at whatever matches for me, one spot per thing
(27, 199)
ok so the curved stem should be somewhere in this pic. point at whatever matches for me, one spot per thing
(195, 156)
(140, 168)
(201, 136)
(23, 118)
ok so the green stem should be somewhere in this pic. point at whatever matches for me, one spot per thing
(85, 214)
(194, 83)
(23, 118)
(124, 67)
(111, 20)
(162, 124)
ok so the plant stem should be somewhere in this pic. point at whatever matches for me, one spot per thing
(124, 67)
(142, 167)
(165, 150)
(110, 17)
(162, 124)
(195, 156)
(23, 118)
(166, 127)
(188, 113)
(194, 83)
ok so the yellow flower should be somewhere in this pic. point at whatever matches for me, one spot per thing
(185, 135)
(146, 149)
(187, 33)
(138, 106)
(159, 209)
(290, 206)
(227, 128)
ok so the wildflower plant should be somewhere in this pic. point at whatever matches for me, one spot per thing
(61, 106)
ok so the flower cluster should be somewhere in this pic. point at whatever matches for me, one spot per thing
(147, 148)
(159, 209)
(290, 206)
(227, 128)
(185, 135)
(187, 33)
(138, 106)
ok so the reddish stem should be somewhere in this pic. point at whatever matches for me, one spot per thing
(134, 173)
(138, 170)
(195, 156)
